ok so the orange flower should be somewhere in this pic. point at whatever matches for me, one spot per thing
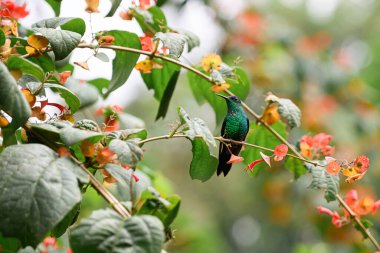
(126, 15)
(146, 43)
(38, 113)
(63, 152)
(107, 39)
(111, 124)
(147, 65)
(30, 98)
(235, 159)
(105, 156)
(280, 152)
(362, 163)
(220, 87)
(50, 242)
(3, 121)
(63, 76)
(211, 61)
(336, 220)
(317, 146)
(333, 166)
(92, 6)
(270, 114)
(87, 148)
(254, 163)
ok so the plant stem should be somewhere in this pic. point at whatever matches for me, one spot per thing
(112, 200)
(246, 107)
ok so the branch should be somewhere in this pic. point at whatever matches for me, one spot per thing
(246, 107)
(221, 139)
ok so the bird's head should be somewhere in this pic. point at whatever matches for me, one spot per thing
(231, 99)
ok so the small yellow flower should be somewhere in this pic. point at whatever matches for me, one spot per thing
(211, 61)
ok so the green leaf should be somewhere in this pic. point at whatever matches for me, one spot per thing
(196, 127)
(26, 66)
(200, 87)
(128, 152)
(322, 180)
(115, 5)
(70, 98)
(151, 21)
(106, 232)
(163, 82)
(192, 40)
(55, 5)
(124, 62)
(175, 42)
(203, 165)
(38, 190)
(295, 166)
(9, 245)
(65, 40)
(45, 62)
(290, 112)
(71, 136)
(129, 188)
(166, 209)
(13, 103)
(87, 94)
(2, 38)
(261, 136)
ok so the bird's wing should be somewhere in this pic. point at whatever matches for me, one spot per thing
(224, 154)
(247, 127)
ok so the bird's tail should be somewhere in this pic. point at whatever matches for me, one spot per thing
(224, 157)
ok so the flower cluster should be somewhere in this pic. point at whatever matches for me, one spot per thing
(353, 170)
(278, 154)
(316, 147)
(360, 206)
(111, 120)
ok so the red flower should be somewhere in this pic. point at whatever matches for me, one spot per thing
(235, 159)
(105, 156)
(146, 43)
(63, 76)
(63, 152)
(50, 242)
(9, 8)
(136, 178)
(280, 152)
(253, 164)
(362, 163)
(336, 220)
(144, 4)
(333, 166)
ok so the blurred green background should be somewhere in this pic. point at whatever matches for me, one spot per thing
(325, 56)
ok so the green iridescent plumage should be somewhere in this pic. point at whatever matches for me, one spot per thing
(235, 126)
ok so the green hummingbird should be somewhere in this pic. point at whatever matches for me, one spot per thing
(235, 126)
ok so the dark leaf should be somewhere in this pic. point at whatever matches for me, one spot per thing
(26, 67)
(55, 5)
(115, 5)
(203, 165)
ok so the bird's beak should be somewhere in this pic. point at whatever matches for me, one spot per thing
(220, 95)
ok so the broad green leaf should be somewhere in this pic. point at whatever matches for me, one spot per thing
(38, 190)
(26, 66)
(70, 98)
(151, 21)
(48, 131)
(203, 165)
(124, 62)
(128, 152)
(322, 180)
(87, 94)
(2, 37)
(45, 62)
(106, 232)
(290, 112)
(71, 136)
(175, 42)
(55, 5)
(192, 40)
(261, 136)
(196, 127)
(200, 87)
(13, 103)
(63, 41)
(295, 166)
(115, 5)
(128, 187)
(166, 209)
(163, 82)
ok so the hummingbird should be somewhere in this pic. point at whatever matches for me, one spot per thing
(235, 127)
